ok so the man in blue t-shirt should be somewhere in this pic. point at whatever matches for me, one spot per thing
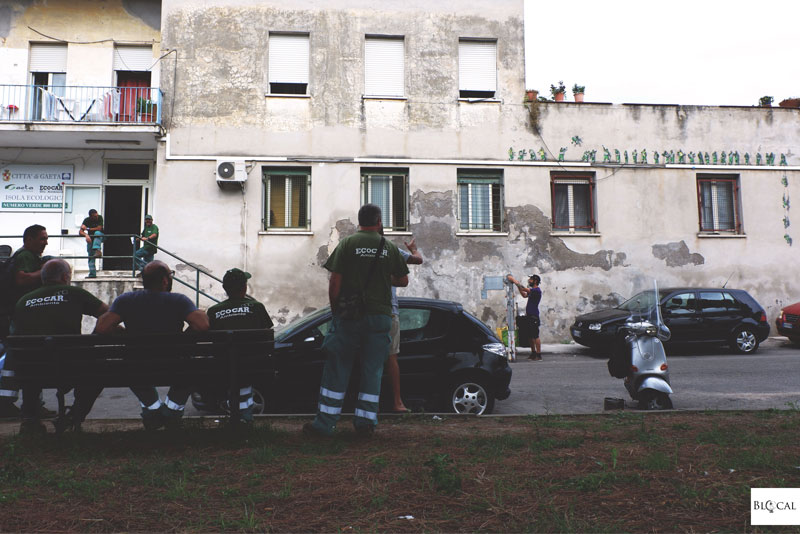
(152, 310)
(534, 295)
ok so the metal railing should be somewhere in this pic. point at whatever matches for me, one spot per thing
(131, 238)
(68, 103)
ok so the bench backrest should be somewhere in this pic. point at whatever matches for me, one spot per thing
(188, 358)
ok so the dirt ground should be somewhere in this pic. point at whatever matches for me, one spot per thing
(632, 472)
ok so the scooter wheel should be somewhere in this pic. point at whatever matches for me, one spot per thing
(654, 400)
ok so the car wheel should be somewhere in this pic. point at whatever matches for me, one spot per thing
(744, 341)
(654, 400)
(470, 395)
(259, 403)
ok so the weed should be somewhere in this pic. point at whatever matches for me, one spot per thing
(378, 463)
(657, 461)
(285, 492)
(444, 473)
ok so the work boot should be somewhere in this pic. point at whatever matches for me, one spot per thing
(9, 410)
(98, 253)
(32, 427)
(172, 419)
(365, 431)
(152, 419)
(65, 422)
(313, 432)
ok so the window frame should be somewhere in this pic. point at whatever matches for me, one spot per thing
(394, 173)
(290, 86)
(571, 179)
(383, 78)
(736, 206)
(496, 200)
(287, 172)
(471, 77)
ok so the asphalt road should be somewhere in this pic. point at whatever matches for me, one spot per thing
(572, 380)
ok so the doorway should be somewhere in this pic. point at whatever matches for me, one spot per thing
(134, 85)
(122, 215)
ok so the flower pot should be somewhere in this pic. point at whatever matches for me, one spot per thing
(790, 103)
(531, 95)
(578, 97)
(559, 97)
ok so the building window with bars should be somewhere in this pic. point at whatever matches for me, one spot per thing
(287, 195)
(718, 204)
(388, 189)
(480, 200)
(288, 64)
(573, 202)
(477, 68)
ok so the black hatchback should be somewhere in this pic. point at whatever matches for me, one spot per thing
(449, 361)
(693, 315)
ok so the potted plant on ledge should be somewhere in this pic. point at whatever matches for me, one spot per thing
(558, 91)
(146, 109)
(577, 92)
(531, 95)
(765, 101)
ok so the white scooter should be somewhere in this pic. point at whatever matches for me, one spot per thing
(639, 357)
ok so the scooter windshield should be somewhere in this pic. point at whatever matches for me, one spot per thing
(645, 313)
(662, 332)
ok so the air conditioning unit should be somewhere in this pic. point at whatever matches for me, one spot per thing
(231, 171)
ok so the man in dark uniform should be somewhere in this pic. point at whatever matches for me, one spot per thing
(27, 267)
(239, 312)
(357, 267)
(53, 309)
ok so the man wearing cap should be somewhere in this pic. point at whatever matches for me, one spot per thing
(239, 312)
(534, 295)
(149, 239)
(92, 231)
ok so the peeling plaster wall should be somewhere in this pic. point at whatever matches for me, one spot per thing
(646, 217)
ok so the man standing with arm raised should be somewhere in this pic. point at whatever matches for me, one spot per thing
(362, 264)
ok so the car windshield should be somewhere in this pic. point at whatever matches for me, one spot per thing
(641, 302)
(298, 324)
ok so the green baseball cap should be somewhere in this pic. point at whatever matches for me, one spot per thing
(235, 276)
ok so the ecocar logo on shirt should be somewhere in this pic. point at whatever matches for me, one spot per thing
(366, 251)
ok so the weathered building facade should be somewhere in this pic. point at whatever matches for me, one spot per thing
(282, 119)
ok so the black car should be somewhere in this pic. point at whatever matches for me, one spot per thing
(693, 315)
(449, 361)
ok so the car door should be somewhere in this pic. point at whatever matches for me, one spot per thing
(423, 350)
(679, 311)
(299, 361)
(720, 314)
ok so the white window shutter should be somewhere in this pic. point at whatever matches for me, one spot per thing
(288, 58)
(477, 66)
(48, 58)
(134, 58)
(384, 67)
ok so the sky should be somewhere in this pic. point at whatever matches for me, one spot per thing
(700, 52)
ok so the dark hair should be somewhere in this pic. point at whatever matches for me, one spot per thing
(234, 286)
(369, 215)
(536, 279)
(33, 231)
(92, 211)
(151, 277)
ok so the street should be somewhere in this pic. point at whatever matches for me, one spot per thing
(572, 380)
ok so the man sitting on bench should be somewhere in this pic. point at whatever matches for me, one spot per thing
(53, 309)
(154, 310)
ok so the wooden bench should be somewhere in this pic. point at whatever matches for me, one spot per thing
(223, 358)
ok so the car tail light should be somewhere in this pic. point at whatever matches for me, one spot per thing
(664, 366)
(634, 369)
(780, 317)
(763, 318)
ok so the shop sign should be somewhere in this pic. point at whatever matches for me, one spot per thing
(33, 187)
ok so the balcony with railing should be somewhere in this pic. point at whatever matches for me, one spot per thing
(80, 104)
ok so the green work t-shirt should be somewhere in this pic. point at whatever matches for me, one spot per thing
(353, 259)
(88, 223)
(147, 232)
(238, 313)
(53, 310)
(26, 262)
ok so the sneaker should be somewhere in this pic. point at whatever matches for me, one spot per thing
(152, 419)
(91, 275)
(311, 431)
(46, 413)
(31, 427)
(65, 422)
(9, 410)
(98, 253)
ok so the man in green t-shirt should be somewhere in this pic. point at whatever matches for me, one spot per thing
(239, 312)
(27, 267)
(53, 309)
(92, 231)
(354, 268)
(149, 240)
